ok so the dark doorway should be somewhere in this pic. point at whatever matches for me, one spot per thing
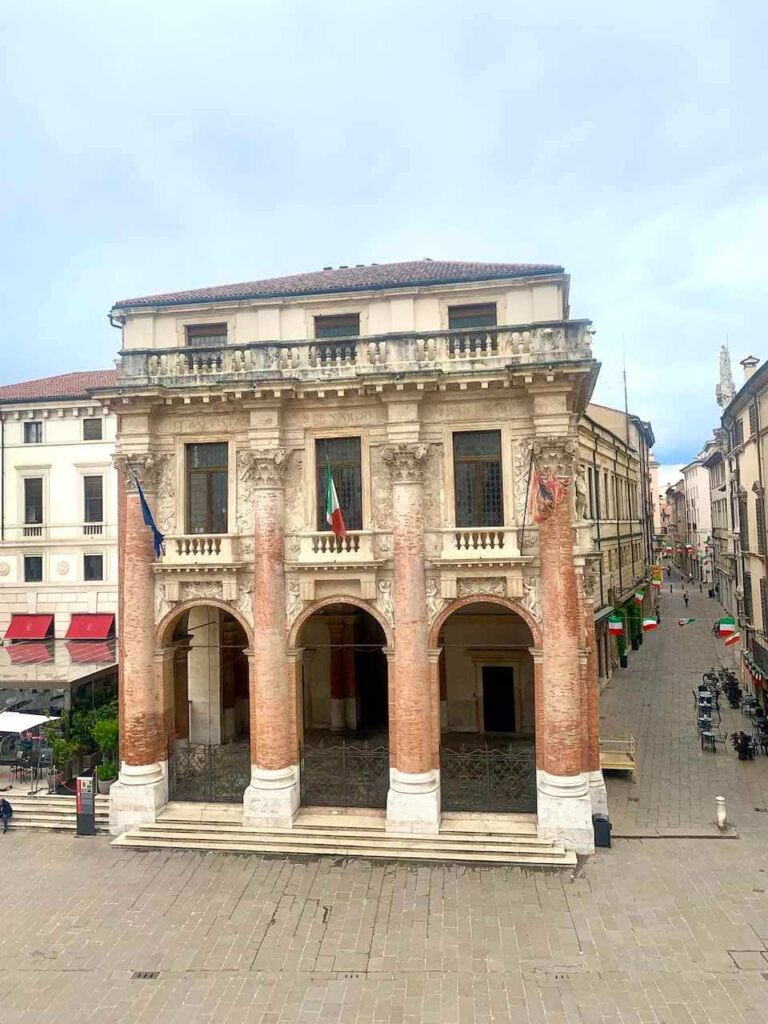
(498, 698)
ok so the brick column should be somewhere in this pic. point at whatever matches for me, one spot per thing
(563, 804)
(142, 786)
(272, 798)
(413, 803)
(598, 796)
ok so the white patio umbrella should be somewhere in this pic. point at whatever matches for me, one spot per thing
(16, 721)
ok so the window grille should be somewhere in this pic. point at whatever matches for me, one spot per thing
(206, 335)
(477, 478)
(207, 488)
(753, 419)
(342, 454)
(472, 316)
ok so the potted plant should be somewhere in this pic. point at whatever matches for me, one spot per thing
(106, 733)
(743, 745)
(621, 647)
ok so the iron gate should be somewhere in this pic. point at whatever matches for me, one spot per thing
(338, 773)
(208, 772)
(488, 778)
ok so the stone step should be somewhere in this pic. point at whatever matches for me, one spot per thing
(352, 835)
(55, 825)
(144, 838)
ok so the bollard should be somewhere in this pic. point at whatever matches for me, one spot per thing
(722, 820)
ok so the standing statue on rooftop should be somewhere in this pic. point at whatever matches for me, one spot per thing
(725, 390)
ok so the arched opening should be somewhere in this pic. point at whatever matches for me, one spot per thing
(210, 755)
(487, 710)
(344, 708)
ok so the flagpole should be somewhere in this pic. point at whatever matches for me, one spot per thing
(525, 507)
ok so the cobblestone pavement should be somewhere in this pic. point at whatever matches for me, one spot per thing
(658, 929)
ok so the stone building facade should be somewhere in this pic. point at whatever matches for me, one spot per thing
(448, 637)
(58, 514)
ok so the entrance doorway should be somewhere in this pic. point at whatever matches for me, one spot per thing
(345, 709)
(210, 758)
(487, 741)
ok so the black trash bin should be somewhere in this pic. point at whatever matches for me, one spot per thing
(710, 593)
(602, 827)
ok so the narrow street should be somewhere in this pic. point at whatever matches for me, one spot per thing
(668, 926)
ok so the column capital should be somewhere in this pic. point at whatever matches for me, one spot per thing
(555, 455)
(405, 460)
(264, 468)
(146, 466)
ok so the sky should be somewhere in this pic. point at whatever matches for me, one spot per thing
(149, 147)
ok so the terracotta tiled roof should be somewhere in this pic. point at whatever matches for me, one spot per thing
(66, 385)
(351, 279)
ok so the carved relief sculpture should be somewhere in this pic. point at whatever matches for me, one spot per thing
(521, 472)
(435, 601)
(244, 601)
(165, 503)
(293, 603)
(496, 586)
(581, 501)
(532, 597)
(384, 600)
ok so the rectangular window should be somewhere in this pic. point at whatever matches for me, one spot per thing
(760, 515)
(748, 596)
(93, 567)
(738, 433)
(346, 326)
(206, 335)
(33, 568)
(764, 602)
(33, 432)
(472, 316)
(753, 419)
(342, 454)
(93, 492)
(93, 430)
(477, 478)
(207, 488)
(33, 500)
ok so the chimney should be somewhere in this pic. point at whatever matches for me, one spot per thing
(750, 364)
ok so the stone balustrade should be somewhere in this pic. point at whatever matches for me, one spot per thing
(494, 543)
(202, 549)
(324, 547)
(457, 351)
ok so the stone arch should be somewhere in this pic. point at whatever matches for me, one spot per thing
(164, 628)
(325, 602)
(462, 602)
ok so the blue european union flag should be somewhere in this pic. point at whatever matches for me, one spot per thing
(157, 537)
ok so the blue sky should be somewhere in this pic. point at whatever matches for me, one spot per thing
(154, 146)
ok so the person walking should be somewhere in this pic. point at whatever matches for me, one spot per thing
(6, 813)
(685, 597)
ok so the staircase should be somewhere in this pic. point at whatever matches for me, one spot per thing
(463, 838)
(56, 813)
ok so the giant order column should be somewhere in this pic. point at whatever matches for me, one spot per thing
(142, 786)
(413, 802)
(563, 803)
(272, 798)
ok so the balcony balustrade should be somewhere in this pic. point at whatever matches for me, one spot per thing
(323, 547)
(485, 543)
(456, 351)
(200, 549)
(59, 532)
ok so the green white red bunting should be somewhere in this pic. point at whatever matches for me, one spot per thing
(639, 595)
(732, 639)
(615, 625)
(685, 622)
(649, 624)
(726, 626)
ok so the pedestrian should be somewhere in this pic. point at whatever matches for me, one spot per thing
(670, 588)
(6, 813)
(658, 615)
(685, 597)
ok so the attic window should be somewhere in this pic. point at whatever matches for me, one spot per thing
(472, 316)
(347, 326)
(206, 335)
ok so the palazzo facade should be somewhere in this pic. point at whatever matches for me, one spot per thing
(439, 656)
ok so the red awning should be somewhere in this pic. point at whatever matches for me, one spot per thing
(90, 627)
(84, 652)
(30, 627)
(29, 654)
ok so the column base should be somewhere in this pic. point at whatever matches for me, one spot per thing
(564, 810)
(598, 795)
(338, 721)
(273, 797)
(137, 796)
(350, 711)
(413, 802)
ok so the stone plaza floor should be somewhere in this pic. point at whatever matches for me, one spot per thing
(670, 925)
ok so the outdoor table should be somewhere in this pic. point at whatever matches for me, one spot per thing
(704, 723)
(708, 740)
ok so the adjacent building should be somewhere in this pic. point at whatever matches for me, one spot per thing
(696, 557)
(438, 654)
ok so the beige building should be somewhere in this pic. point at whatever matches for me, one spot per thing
(438, 656)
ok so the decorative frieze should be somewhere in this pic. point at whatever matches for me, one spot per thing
(405, 460)
(496, 586)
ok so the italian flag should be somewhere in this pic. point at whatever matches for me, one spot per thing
(639, 595)
(685, 622)
(333, 515)
(649, 624)
(615, 625)
(732, 638)
(727, 626)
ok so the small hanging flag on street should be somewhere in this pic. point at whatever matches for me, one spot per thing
(649, 624)
(726, 626)
(685, 622)
(615, 625)
(689, 548)
(732, 639)
(639, 595)
(333, 515)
